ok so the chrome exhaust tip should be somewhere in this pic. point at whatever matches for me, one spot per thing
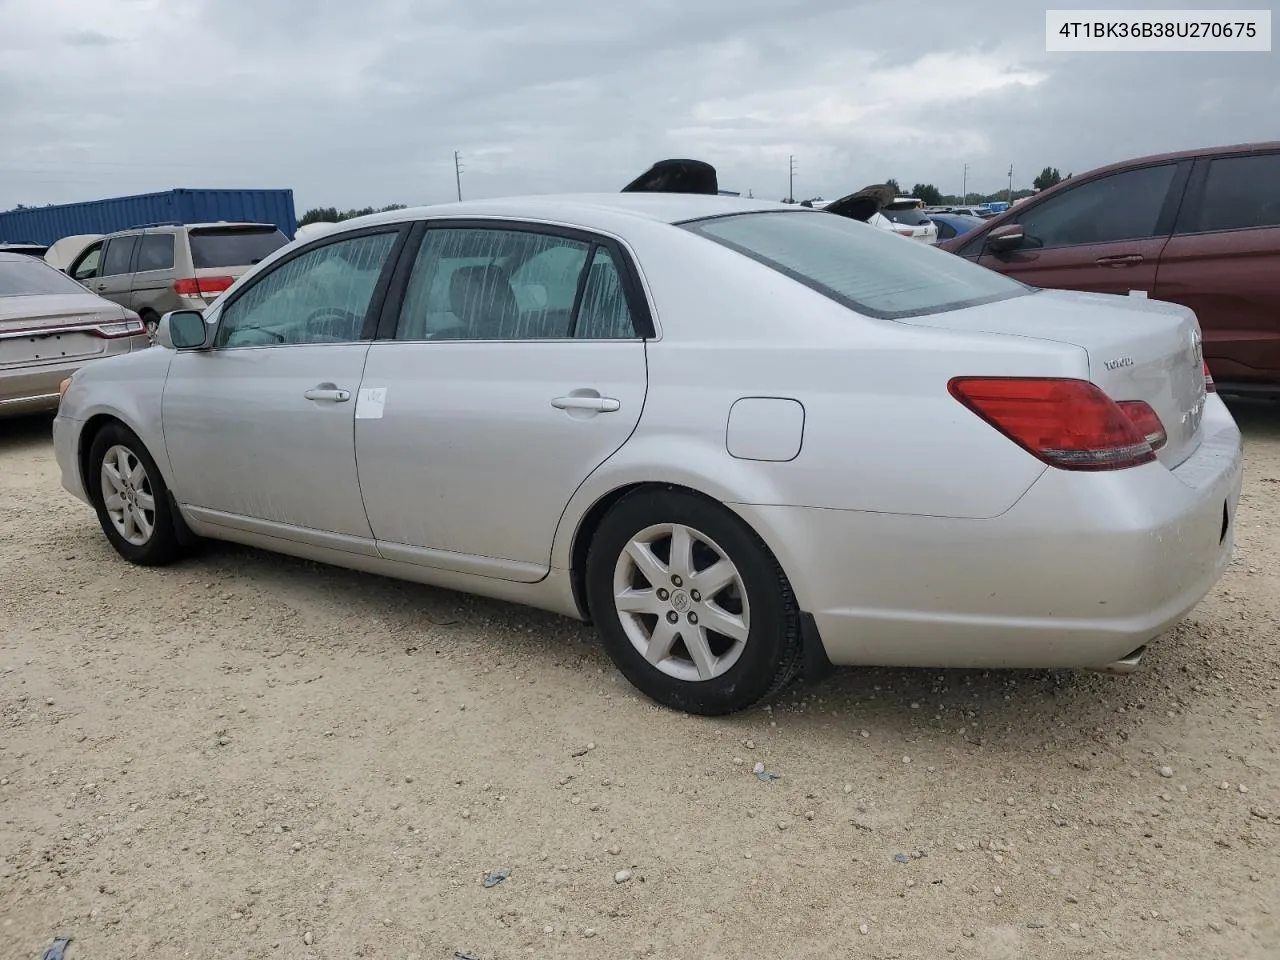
(1127, 664)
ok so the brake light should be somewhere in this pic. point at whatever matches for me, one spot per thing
(207, 287)
(1209, 385)
(1069, 424)
(1146, 420)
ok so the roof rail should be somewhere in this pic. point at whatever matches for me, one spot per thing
(158, 223)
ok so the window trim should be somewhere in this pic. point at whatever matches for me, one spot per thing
(1193, 200)
(98, 245)
(368, 328)
(637, 302)
(133, 255)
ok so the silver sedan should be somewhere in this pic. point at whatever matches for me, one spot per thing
(746, 440)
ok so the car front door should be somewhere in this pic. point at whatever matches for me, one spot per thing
(516, 366)
(1104, 235)
(84, 269)
(258, 427)
(1224, 262)
(114, 279)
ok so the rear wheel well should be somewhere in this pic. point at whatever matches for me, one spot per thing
(591, 522)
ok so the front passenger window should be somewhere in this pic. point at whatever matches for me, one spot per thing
(1122, 206)
(87, 268)
(322, 296)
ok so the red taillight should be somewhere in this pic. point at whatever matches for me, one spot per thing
(1069, 424)
(207, 287)
(1209, 385)
(1146, 420)
(117, 330)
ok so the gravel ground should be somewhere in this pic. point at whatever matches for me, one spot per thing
(251, 756)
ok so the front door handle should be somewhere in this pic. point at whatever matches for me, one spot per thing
(598, 404)
(1123, 260)
(327, 392)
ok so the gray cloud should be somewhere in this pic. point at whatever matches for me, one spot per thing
(355, 103)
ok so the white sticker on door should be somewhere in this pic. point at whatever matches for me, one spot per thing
(369, 403)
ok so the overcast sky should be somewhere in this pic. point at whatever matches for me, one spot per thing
(355, 102)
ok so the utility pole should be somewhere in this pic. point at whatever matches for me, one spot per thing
(965, 186)
(791, 180)
(1011, 184)
(457, 173)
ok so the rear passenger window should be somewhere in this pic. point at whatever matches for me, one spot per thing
(604, 314)
(155, 252)
(1122, 206)
(118, 256)
(1240, 193)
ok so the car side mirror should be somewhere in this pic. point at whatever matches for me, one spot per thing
(182, 330)
(1006, 238)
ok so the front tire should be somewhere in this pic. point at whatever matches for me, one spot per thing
(131, 498)
(691, 605)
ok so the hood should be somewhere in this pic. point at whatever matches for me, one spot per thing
(864, 204)
(676, 176)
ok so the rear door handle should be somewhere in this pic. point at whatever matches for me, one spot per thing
(332, 394)
(598, 404)
(1123, 260)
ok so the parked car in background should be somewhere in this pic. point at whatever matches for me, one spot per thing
(155, 269)
(30, 249)
(953, 224)
(904, 216)
(722, 429)
(61, 253)
(50, 326)
(1199, 227)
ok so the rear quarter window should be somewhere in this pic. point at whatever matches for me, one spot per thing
(233, 246)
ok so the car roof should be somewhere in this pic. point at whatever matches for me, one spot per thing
(589, 211)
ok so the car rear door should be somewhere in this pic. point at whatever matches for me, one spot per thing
(258, 428)
(1103, 235)
(513, 367)
(114, 279)
(1223, 261)
(152, 289)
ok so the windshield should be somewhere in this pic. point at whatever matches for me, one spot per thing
(869, 270)
(233, 246)
(27, 277)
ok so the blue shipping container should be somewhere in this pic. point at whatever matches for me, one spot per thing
(49, 224)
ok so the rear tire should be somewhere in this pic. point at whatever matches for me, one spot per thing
(131, 498)
(690, 604)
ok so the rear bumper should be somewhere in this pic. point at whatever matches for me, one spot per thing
(33, 389)
(1082, 571)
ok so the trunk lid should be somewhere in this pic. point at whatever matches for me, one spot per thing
(52, 327)
(1138, 349)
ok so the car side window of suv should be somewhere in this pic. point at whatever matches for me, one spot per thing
(1239, 194)
(86, 268)
(321, 296)
(1120, 206)
(117, 256)
(155, 252)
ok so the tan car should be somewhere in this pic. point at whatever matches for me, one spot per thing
(49, 327)
(153, 270)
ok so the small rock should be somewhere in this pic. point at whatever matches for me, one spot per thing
(48, 701)
(1075, 928)
(1215, 926)
(738, 761)
(906, 759)
(960, 848)
(615, 850)
(1224, 785)
(808, 814)
(589, 932)
(296, 847)
(848, 788)
(782, 824)
(758, 768)
(1036, 924)
(750, 744)
(308, 939)
(1072, 898)
(863, 929)
(466, 814)
(998, 891)
(548, 929)
(1166, 772)
(622, 876)
(864, 733)
(1243, 788)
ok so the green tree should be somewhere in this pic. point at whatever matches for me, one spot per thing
(893, 185)
(334, 215)
(928, 193)
(1049, 177)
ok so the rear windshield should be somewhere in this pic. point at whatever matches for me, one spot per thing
(233, 246)
(871, 271)
(908, 216)
(28, 277)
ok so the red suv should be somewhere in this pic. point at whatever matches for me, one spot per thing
(1200, 228)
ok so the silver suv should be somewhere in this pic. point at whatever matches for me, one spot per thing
(171, 266)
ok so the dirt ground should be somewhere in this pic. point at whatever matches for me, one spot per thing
(251, 756)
